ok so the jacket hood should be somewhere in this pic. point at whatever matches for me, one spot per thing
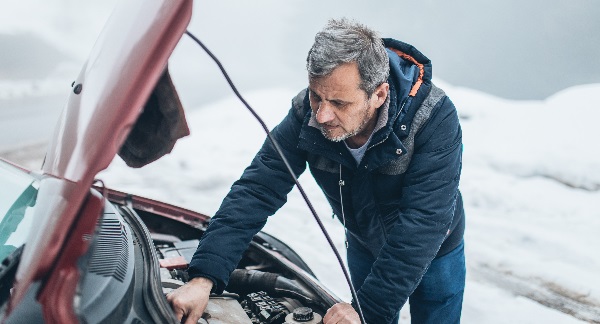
(408, 66)
(409, 69)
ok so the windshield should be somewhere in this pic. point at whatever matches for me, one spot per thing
(18, 191)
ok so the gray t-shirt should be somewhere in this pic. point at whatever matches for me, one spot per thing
(358, 153)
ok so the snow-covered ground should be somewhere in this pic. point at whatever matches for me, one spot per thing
(531, 185)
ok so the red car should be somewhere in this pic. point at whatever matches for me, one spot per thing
(75, 251)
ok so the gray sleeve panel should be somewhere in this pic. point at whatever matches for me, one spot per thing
(300, 108)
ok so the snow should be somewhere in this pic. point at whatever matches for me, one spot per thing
(531, 186)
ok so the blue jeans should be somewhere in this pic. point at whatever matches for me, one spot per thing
(438, 297)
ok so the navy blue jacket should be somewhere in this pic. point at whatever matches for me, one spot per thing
(401, 202)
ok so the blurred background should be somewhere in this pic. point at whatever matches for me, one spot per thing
(512, 49)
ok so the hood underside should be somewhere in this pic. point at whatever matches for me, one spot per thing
(124, 67)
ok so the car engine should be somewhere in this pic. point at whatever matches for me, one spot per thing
(252, 296)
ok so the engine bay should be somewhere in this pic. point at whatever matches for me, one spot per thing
(252, 296)
(141, 252)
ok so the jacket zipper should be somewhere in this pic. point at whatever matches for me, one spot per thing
(341, 184)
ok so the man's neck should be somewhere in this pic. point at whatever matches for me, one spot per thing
(376, 123)
(361, 138)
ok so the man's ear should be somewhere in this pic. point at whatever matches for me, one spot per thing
(380, 94)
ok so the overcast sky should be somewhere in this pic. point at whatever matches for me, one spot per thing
(512, 49)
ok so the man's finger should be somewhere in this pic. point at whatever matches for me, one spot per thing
(329, 315)
(193, 318)
(178, 313)
(177, 310)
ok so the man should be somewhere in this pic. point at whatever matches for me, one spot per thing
(384, 144)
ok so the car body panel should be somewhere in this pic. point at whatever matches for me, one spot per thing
(57, 295)
(179, 214)
(127, 60)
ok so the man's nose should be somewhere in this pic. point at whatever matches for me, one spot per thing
(324, 113)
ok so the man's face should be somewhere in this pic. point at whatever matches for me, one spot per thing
(341, 109)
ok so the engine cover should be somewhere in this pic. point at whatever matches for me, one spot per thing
(223, 310)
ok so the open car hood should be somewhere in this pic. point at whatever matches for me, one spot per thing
(123, 68)
(125, 65)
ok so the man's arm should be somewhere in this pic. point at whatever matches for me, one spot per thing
(259, 193)
(427, 208)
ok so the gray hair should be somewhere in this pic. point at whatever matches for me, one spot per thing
(343, 41)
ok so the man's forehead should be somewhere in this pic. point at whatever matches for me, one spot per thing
(333, 83)
(338, 91)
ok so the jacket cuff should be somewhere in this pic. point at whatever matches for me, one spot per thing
(218, 285)
(370, 315)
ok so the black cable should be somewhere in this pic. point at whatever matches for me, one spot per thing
(285, 161)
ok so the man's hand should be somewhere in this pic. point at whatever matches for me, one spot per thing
(341, 313)
(190, 300)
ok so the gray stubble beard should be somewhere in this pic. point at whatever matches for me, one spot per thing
(347, 135)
